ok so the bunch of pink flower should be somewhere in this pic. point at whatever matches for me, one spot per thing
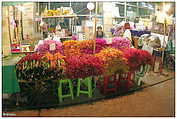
(45, 47)
(82, 66)
(119, 43)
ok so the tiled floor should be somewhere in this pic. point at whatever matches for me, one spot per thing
(157, 100)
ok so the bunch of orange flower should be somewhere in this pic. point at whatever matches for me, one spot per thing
(55, 60)
(71, 47)
(114, 62)
(87, 46)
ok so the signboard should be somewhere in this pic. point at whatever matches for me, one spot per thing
(52, 47)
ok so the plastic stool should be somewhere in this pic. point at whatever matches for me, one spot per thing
(60, 95)
(107, 81)
(140, 74)
(88, 83)
(157, 55)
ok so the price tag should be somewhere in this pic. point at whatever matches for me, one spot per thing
(52, 47)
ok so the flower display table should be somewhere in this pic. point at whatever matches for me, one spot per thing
(10, 82)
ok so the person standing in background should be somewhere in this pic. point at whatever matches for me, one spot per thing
(99, 32)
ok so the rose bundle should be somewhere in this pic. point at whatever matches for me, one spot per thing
(81, 66)
(87, 46)
(71, 47)
(146, 57)
(119, 43)
(41, 66)
(113, 61)
(132, 55)
(136, 58)
(29, 61)
(44, 47)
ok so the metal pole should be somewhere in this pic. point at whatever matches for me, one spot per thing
(49, 5)
(70, 3)
(90, 15)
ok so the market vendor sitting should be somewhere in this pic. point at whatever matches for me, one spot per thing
(99, 32)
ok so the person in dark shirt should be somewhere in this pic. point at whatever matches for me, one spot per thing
(99, 32)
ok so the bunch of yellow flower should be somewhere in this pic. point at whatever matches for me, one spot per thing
(114, 62)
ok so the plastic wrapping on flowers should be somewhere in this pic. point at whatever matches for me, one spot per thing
(29, 67)
(119, 43)
(71, 47)
(82, 66)
(87, 46)
(45, 46)
(54, 65)
(114, 62)
(38, 66)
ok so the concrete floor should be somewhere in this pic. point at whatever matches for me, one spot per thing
(157, 100)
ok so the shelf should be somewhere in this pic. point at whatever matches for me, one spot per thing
(62, 16)
(70, 16)
(65, 37)
(118, 17)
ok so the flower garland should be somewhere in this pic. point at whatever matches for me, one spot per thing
(113, 61)
(81, 66)
(119, 43)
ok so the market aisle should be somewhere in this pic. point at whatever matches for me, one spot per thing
(157, 100)
(153, 101)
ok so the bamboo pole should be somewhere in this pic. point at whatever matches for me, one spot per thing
(94, 36)
(14, 17)
(21, 25)
(163, 47)
(95, 22)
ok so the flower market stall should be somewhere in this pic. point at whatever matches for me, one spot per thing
(69, 70)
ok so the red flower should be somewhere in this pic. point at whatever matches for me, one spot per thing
(137, 58)
(81, 66)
